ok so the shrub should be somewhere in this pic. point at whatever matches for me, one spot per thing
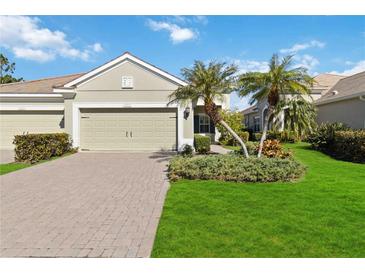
(234, 120)
(251, 149)
(187, 151)
(234, 168)
(244, 135)
(323, 137)
(273, 149)
(33, 148)
(349, 145)
(202, 144)
(257, 136)
(285, 136)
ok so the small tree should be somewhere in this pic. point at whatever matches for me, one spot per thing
(300, 115)
(234, 120)
(6, 71)
(274, 85)
(208, 83)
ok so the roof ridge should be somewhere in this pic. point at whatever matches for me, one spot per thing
(42, 79)
(332, 74)
(353, 75)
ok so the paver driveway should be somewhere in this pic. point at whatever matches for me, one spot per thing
(84, 205)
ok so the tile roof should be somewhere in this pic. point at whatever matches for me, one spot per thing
(325, 81)
(38, 86)
(348, 86)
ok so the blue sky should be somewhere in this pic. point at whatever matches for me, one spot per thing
(44, 46)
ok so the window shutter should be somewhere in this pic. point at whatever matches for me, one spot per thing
(212, 127)
(196, 123)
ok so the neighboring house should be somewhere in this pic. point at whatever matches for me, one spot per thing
(344, 102)
(121, 105)
(253, 116)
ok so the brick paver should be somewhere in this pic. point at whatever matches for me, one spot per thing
(83, 205)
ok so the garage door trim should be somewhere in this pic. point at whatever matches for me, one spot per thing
(76, 115)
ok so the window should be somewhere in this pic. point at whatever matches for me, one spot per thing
(204, 124)
(127, 82)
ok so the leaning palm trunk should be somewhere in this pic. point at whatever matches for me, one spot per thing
(213, 112)
(235, 136)
(264, 131)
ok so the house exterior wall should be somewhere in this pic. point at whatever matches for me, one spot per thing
(143, 79)
(350, 112)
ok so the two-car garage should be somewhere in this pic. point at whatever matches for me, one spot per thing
(128, 129)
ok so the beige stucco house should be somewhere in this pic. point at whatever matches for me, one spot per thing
(344, 102)
(253, 116)
(121, 105)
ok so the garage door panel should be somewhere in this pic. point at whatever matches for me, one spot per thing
(111, 129)
(18, 122)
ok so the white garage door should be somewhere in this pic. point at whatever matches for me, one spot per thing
(128, 129)
(19, 122)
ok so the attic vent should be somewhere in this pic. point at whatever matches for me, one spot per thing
(334, 92)
(127, 82)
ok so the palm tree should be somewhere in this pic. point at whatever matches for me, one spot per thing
(273, 85)
(209, 82)
(299, 115)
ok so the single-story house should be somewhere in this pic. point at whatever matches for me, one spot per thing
(254, 115)
(344, 102)
(120, 105)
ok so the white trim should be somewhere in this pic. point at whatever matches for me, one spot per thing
(188, 141)
(331, 100)
(63, 90)
(122, 58)
(180, 127)
(4, 107)
(76, 106)
(29, 95)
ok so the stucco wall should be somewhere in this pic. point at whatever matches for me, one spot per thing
(350, 112)
(143, 79)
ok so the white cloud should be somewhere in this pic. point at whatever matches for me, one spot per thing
(251, 65)
(33, 54)
(307, 61)
(358, 67)
(299, 47)
(97, 47)
(177, 33)
(179, 19)
(24, 36)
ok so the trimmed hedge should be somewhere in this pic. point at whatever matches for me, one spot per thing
(323, 137)
(339, 141)
(235, 168)
(202, 143)
(33, 148)
(349, 145)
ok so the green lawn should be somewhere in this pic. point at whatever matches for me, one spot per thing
(11, 167)
(322, 215)
(232, 147)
